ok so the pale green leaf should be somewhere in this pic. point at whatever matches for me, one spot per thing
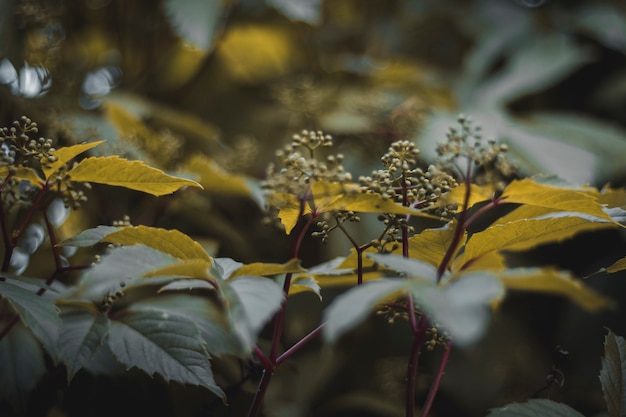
(165, 343)
(82, 334)
(224, 267)
(252, 302)
(462, 307)
(406, 266)
(309, 11)
(38, 313)
(23, 365)
(195, 21)
(349, 309)
(66, 154)
(135, 175)
(613, 374)
(89, 237)
(305, 284)
(554, 282)
(537, 407)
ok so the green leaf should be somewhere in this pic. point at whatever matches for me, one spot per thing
(407, 266)
(23, 365)
(165, 343)
(82, 334)
(613, 374)
(554, 282)
(252, 302)
(195, 21)
(538, 407)
(36, 312)
(135, 175)
(66, 154)
(349, 309)
(309, 11)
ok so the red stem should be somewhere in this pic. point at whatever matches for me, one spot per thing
(435, 385)
(302, 342)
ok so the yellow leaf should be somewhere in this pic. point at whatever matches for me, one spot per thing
(66, 154)
(171, 242)
(351, 261)
(478, 194)
(181, 62)
(253, 53)
(23, 173)
(492, 261)
(215, 180)
(529, 192)
(135, 175)
(193, 268)
(551, 281)
(326, 281)
(327, 197)
(612, 197)
(260, 269)
(526, 234)
(432, 244)
(620, 265)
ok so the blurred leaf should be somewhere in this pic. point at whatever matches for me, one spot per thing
(349, 309)
(66, 154)
(478, 194)
(252, 302)
(253, 53)
(195, 21)
(23, 173)
(38, 313)
(135, 175)
(606, 22)
(612, 197)
(309, 11)
(160, 341)
(181, 63)
(406, 266)
(265, 269)
(305, 284)
(537, 407)
(89, 237)
(23, 365)
(613, 374)
(216, 180)
(554, 282)
(83, 332)
(620, 265)
(463, 306)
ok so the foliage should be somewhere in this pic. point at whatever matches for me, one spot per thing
(411, 224)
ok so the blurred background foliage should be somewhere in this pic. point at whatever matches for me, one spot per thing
(210, 89)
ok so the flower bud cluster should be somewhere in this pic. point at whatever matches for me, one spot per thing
(340, 217)
(296, 170)
(488, 158)
(436, 338)
(21, 150)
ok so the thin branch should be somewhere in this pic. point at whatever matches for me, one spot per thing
(435, 385)
(302, 342)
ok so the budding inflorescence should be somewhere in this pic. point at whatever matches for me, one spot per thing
(20, 149)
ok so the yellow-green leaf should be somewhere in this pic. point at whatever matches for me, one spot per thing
(525, 234)
(348, 280)
(171, 242)
(23, 173)
(492, 261)
(432, 244)
(215, 180)
(529, 192)
(260, 269)
(612, 197)
(66, 154)
(620, 265)
(135, 175)
(192, 268)
(554, 282)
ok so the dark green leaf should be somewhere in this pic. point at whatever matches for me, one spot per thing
(38, 313)
(81, 335)
(535, 408)
(22, 366)
(613, 374)
(165, 343)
